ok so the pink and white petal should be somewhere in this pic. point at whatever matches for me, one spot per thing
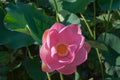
(48, 60)
(52, 63)
(67, 59)
(75, 28)
(44, 51)
(68, 69)
(68, 37)
(53, 52)
(45, 68)
(58, 26)
(45, 36)
(82, 42)
(80, 57)
(52, 39)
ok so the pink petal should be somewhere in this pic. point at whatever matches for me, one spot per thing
(58, 26)
(52, 38)
(45, 35)
(68, 69)
(53, 52)
(75, 28)
(68, 36)
(48, 60)
(69, 57)
(44, 51)
(52, 63)
(80, 57)
(45, 68)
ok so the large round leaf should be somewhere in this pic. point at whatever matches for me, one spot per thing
(74, 6)
(111, 40)
(12, 39)
(105, 4)
(23, 17)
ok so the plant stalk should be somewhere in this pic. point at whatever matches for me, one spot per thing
(94, 32)
(97, 51)
(61, 77)
(111, 1)
(30, 56)
(90, 31)
(57, 17)
(48, 76)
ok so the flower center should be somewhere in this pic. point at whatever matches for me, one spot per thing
(62, 49)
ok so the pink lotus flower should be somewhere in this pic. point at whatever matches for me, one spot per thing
(63, 48)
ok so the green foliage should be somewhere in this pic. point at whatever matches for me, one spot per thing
(3, 78)
(111, 57)
(10, 37)
(116, 24)
(98, 45)
(77, 76)
(23, 22)
(69, 18)
(74, 6)
(105, 4)
(111, 40)
(4, 57)
(34, 21)
(33, 68)
(58, 4)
